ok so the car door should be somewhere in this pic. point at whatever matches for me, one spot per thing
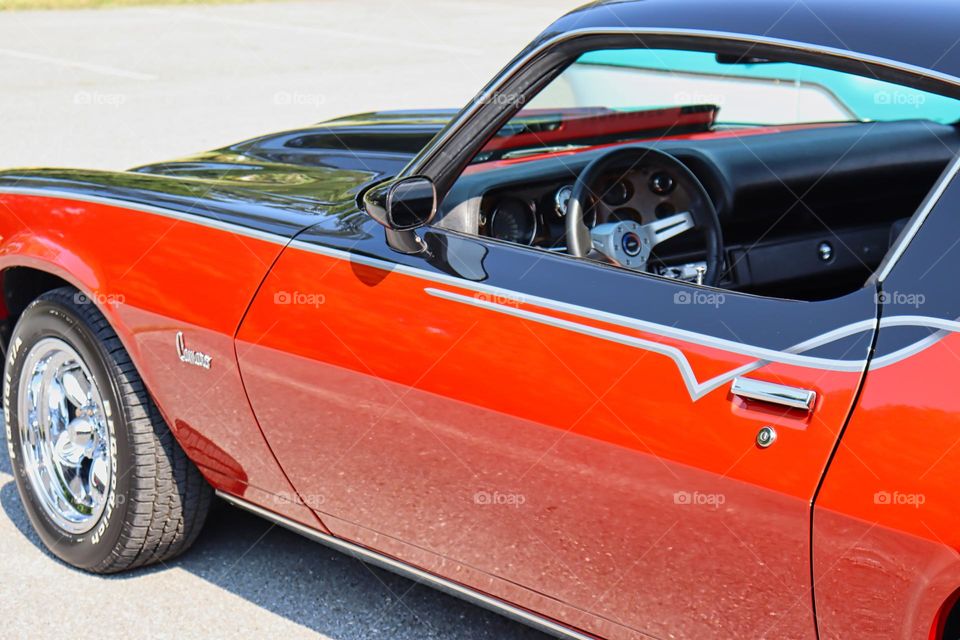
(885, 519)
(552, 431)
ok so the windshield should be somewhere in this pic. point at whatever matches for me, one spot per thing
(613, 96)
(750, 91)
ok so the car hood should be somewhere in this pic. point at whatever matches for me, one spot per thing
(280, 183)
(327, 163)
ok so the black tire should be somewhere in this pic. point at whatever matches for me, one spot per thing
(159, 501)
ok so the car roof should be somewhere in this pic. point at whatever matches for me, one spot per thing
(919, 33)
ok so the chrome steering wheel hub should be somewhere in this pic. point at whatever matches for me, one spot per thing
(64, 436)
(628, 243)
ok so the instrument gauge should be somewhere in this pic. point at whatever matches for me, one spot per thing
(662, 184)
(561, 199)
(618, 193)
(513, 220)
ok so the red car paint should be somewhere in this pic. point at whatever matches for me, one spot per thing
(579, 541)
(163, 276)
(886, 512)
(484, 442)
(331, 392)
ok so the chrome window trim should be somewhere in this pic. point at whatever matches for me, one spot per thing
(916, 222)
(436, 146)
(449, 587)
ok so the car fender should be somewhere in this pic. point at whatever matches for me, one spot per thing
(170, 282)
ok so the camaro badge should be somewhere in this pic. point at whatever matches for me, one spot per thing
(190, 356)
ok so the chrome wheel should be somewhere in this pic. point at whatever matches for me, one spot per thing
(64, 436)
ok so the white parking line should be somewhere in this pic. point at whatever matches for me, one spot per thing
(62, 62)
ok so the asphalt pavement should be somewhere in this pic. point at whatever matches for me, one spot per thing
(244, 578)
(116, 88)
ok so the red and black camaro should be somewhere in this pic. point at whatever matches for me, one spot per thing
(656, 338)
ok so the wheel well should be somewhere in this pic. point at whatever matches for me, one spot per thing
(21, 286)
(948, 620)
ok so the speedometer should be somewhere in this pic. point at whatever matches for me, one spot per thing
(513, 220)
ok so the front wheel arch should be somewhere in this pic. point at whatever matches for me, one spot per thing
(20, 286)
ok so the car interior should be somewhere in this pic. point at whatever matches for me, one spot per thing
(757, 176)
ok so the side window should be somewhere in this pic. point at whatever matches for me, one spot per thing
(754, 175)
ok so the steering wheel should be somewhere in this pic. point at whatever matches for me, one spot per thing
(629, 243)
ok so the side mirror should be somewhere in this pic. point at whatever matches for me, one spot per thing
(402, 205)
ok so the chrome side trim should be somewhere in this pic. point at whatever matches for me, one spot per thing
(774, 393)
(204, 221)
(790, 356)
(695, 388)
(417, 575)
(486, 292)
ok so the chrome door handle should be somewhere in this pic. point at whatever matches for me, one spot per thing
(778, 394)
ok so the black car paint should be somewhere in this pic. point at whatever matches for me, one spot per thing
(261, 184)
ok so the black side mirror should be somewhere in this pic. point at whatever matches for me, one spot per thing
(402, 205)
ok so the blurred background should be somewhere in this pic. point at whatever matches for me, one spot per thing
(115, 83)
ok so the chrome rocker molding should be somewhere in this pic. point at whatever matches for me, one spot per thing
(390, 564)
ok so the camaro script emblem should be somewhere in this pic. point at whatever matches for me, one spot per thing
(190, 356)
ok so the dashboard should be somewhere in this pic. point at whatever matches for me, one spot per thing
(806, 213)
(535, 215)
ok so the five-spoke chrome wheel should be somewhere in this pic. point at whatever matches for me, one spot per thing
(64, 436)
